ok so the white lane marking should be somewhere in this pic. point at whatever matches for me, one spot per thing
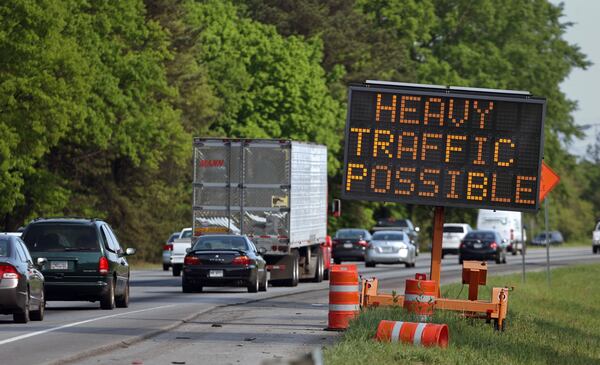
(22, 337)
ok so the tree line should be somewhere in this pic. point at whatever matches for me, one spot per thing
(99, 100)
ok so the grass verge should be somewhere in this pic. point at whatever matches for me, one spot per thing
(557, 325)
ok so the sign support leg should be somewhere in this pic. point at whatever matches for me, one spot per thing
(436, 246)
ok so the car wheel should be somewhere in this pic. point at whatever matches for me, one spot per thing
(107, 301)
(407, 264)
(176, 270)
(337, 261)
(370, 264)
(38, 315)
(504, 259)
(595, 249)
(123, 300)
(165, 267)
(498, 258)
(460, 261)
(265, 282)
(187, 287)
(326, 274)
(22, 316)
(253, 286)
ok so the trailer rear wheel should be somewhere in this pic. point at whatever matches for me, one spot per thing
(319, 269)
(293, 281)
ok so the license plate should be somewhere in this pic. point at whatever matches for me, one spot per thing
(215, 273)
(59, 265)
(347, 245)
(387, 249)
(478, 245)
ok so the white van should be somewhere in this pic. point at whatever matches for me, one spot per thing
(453, 234)
(507, 223)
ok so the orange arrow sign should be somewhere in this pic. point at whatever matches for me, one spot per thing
(548, 181)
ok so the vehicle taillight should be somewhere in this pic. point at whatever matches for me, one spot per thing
(8, 272)
(241, 260)
(494, 245)
(363, 243)
(168, 247)
(103, 265)
(191, 260)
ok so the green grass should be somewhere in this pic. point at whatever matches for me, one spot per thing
(557, 325)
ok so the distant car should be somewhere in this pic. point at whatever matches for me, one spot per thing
(482, 245)
(167, 249)
(404, 225)
(84, 260)
(390, 247)
(180, 245)
(596, 239)
(507, 223)
(453, 234)
(555, 238)
(21, 283)
(224, 260)
(350, 244)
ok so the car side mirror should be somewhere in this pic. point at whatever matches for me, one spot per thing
(130, 251)
(41, 261)
(188, 250)
(262, 251)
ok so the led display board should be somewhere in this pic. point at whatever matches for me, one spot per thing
(443, 146)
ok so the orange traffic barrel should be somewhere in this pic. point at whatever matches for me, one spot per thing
(423, 334)
(420, 295)
(344, 297)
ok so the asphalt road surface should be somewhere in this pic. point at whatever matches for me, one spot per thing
(220, 326)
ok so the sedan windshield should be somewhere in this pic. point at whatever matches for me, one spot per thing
(480, 236)
(388, 236)
(61, 237)
(351, 234)
(221, 243)
(4, 248)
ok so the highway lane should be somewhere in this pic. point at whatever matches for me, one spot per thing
(162, 323)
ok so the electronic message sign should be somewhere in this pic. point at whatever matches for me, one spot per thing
(461, 147)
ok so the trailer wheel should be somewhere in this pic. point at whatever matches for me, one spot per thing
(319, 269)
(293, 281)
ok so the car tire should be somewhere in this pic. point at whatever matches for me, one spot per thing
(177, 270)
(22, 316)
(498, 259)
(337, 261)
(504, 259)
(107, 301)
(254, 285)
(595, 249)
(38, 315)
(326, 274)
(264, 284)
(165, 267)
(370, 264)
(319, 269)
(460, 261)
(123, 300)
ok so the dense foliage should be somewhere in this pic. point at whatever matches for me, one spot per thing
(99, 99)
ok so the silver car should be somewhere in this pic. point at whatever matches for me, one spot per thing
(391, 247)
(167, 249)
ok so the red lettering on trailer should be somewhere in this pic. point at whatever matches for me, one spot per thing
(212, 163)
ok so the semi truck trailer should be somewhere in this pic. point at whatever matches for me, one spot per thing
(273, 191)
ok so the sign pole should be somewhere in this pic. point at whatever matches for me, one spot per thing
(523, 250)
(436, 246)
(547, 240)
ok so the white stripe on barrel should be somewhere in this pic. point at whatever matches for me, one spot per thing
(419, 333)
(344, 307)
(419, 298)
(396, 330)
(343, 288)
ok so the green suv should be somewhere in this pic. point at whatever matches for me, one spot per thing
(84, 260)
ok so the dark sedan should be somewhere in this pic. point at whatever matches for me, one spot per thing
(21, 283)
(482, 245)
(350, 244)
(224, 260)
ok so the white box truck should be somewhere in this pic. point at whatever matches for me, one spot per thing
(273, 191)
(507, 223)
